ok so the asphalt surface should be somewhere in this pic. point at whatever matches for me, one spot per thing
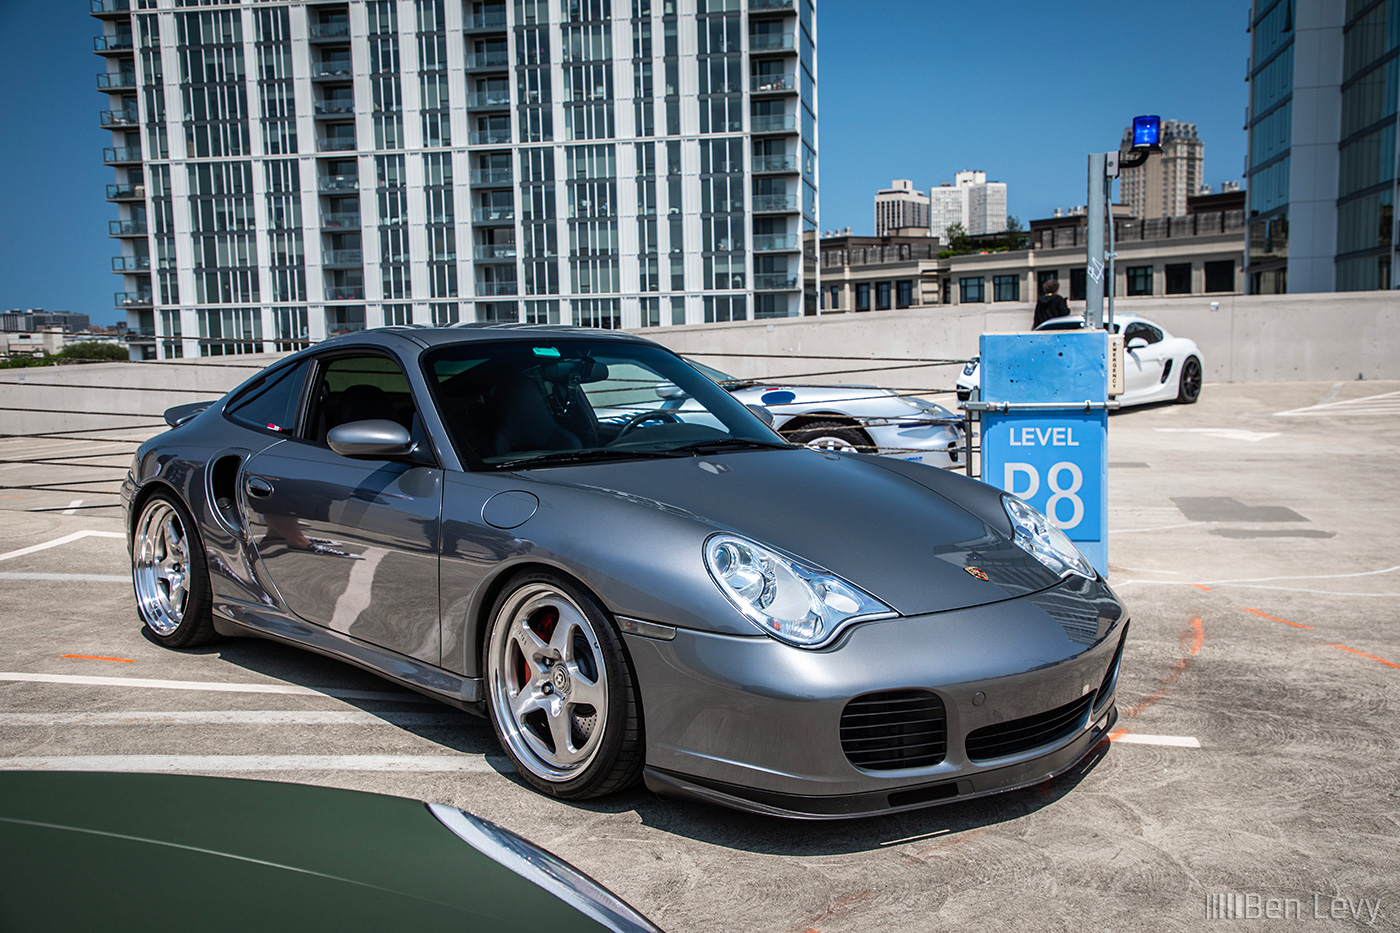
(1255, 537)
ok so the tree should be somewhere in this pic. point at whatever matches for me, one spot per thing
(957, 240)
(93, 350)
(1015, 237)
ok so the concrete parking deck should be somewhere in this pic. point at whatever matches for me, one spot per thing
(1255, 537)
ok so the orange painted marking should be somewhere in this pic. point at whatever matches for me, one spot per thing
(1117, 734)
(1201, 586)
(1197, 634)
(95, 657)
(1371, 656)
(1265, 615)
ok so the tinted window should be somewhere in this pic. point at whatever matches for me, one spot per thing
(1145, 331)
(360, 388)
(271, 405)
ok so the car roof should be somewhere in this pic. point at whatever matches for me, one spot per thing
(427, 337)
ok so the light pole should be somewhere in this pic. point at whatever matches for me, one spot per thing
(1103, 168)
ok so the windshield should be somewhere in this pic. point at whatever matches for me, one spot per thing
(515, 404)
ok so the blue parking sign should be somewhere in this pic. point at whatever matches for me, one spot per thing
(1045, 430)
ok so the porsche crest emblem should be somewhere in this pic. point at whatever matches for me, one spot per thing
(977, 572)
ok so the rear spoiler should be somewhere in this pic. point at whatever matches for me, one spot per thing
(181, 413)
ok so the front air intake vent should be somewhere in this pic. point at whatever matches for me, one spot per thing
(1019, 735)
(895, 729)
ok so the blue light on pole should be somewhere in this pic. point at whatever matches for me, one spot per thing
(1147, 131)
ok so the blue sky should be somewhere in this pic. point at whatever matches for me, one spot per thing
(918, 89)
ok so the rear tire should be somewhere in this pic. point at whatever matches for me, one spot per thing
(560, 690)
(1189, 385)
(832, 435)
(170, 575)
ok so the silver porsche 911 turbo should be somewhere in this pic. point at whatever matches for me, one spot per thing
(668, 594)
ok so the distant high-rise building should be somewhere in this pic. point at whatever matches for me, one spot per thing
(1322, 130)
(979, 205)
(900, 207)
(1160, 186)
(286, 171)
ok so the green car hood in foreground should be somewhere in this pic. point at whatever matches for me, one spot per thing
(166, 852)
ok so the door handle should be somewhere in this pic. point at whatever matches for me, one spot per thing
(258, 487)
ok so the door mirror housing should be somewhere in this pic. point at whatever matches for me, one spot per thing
(377, 439)
(1137, 343)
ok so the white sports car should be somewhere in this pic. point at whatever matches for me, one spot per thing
(1157, 367)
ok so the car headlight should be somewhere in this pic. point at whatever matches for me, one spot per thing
(971, 367)
(933, 409)
(1040, 538)
(792, 601)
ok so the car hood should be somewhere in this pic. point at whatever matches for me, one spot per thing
(886, 532)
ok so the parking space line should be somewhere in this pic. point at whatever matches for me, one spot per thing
(212, 686)
(72, 507)
(177, 764)
(1124, 737)
(1265, 615)
(98, 657)
(69, 577)
(250, 717)
(56, 542)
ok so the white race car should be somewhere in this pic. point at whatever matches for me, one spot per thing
(1157, 367)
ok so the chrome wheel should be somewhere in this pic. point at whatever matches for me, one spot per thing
(548, 680)
(831, 435)
(832, 442)
(160, 567)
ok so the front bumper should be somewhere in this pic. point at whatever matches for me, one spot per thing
(935, 444)
(756, 724)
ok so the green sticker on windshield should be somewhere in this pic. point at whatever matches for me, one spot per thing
(546, 351)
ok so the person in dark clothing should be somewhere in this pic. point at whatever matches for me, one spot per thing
(1051, 303)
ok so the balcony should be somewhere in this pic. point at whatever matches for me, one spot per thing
(323, 32)
(498, 137)
(333, 108)
(773, 123)
(496, 289)
(771, 203)
(335, 143)
(337, 184)
(494, 215)
(774, 281)
(495, 252)
(486, 22)
(773, 84)
(489, 100)
(341, 220)
(110, 7)
(345, 293)
(116, 80)
(772, 164)
(132, 299)
(127, 192)
(769, 6)
(126, 264)
(774, 242)
(491, 177)
(113, 118)
(332, 70)
(126, 228)
(342, 258)
(770, 42)
(113, 156)
(494, 59)
(119, 44)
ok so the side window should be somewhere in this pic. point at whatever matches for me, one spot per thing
(271, 405)
(1145, 331)
(360, 388)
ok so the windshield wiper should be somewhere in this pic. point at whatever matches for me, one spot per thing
(582, 456)
(718, 444)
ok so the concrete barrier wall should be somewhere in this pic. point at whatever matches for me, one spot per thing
(1242, 339)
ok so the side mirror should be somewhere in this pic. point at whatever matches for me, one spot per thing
(1137, 343)
(764, 414)
(378, 439)
(669, 390)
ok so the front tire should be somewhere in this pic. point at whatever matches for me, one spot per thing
(560, 690)
(1189, 386)
(832, 435)
(170, 575)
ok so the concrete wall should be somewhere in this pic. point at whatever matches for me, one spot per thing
(1243, 338)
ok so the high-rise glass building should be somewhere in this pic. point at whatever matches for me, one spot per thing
(287, 171)
(1322, 145)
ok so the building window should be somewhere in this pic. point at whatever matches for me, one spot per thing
(971, 291)
(862, 296)
(1139, 280)
(904, 293)
(1178, 278)
(1220, 275)
(836, 297)
(1006, 288)
(1042, 276)
(882, 296)
(1078, 285)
